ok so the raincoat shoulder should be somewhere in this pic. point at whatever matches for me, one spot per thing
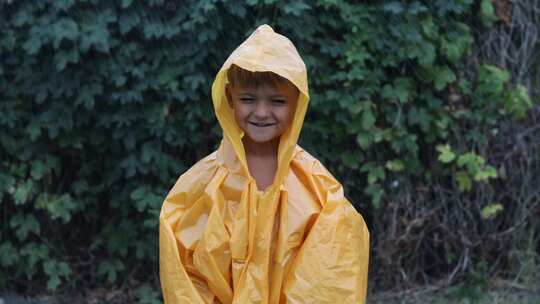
(190, 185)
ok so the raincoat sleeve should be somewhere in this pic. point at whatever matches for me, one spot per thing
(332, 264)
(178, 284)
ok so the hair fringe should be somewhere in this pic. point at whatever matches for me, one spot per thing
(241, 77)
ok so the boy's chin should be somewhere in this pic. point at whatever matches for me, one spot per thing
(261, 140)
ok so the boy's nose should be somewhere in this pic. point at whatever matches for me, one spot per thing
(262, 110)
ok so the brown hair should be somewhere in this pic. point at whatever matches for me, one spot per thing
(240, 77)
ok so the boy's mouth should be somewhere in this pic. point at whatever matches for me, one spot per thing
(258, 124)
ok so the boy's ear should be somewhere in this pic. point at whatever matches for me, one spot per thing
(229, 95)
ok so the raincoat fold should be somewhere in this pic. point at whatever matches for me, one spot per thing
(224, 241)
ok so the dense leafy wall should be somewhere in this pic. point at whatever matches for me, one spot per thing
(104, 103)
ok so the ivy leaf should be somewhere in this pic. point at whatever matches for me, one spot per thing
(146, 199)
(41, 94)
(491, 80)
(35, 41)
(148, 152)
(395, 165)
(7, 183)
(33, 130)
(128, 22)
(485, 174)
(24, 224)
(295, 8)
(429, 28)
(518, 102)
(153, 221)
(57, 206)
(445, 153)
(63, 57)
(22, 17)
(402, 87)
(418, 116)
(394, 7)
(23, 192)
(368, 120)
(147, 295)
(375, 172)
(351, 159)
(80, 187)
(64, 28)
(87, 95)
(111, 268)
(8, 254)
(126, 3)
(451, 51)
(443, 76)
(470, 161)
(153, 30)
(96, 36)
(130, 164)
(464, 181)
(416, 8)
(138, 193)
(35, 253)
(376, 192)
(120, 236)
(364, 139)
(38, 169)
(455, 48)
(427, 56)
(487, 12)
(490, 211)
(55, 270)
(63, 5)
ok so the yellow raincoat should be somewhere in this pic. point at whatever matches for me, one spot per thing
(224, 241)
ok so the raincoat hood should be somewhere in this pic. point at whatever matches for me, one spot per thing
(221, 240)
(264, 51)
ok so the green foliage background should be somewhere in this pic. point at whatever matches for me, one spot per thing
(103, 104)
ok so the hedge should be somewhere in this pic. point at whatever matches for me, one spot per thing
(105, 103)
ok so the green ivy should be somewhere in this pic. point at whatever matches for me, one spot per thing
(103, 102)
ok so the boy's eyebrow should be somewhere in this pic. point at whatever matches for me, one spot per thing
(271, 96)
(252, 94)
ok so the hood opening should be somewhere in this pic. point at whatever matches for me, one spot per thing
(262, 52)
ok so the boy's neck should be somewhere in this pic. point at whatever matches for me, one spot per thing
(261, 150)
(262, 161)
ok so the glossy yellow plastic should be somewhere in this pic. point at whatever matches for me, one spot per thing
(224, 241)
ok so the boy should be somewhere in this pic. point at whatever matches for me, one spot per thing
(260, 220)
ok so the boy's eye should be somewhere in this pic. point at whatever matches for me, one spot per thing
(246, 99)
(278, 102)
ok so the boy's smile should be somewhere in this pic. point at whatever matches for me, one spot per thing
(264, 112)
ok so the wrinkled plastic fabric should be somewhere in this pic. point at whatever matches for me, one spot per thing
(224, 241)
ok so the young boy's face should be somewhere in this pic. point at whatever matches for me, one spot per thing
(263, 112)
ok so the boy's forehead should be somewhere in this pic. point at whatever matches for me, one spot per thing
(281, 87)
